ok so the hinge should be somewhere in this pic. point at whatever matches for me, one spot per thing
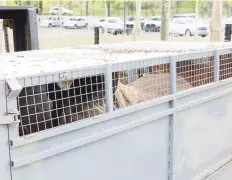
(9, 117)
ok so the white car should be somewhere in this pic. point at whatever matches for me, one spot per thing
(63, 11)
(183, 26)
(153, 24)
(187, 15)
(203, 29)
(111, 25)
(75, 23)
(52, 22)
(130, 24)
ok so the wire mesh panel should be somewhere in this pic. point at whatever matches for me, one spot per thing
(225, 66)
(141, 72)
(196, 72)
(140, 85)
(49, 105)
(35, 110)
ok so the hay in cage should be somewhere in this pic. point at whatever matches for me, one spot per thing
(146, 88)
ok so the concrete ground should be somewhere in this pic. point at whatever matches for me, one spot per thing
(60, 37)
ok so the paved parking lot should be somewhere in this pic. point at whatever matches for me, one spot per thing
(60, 37)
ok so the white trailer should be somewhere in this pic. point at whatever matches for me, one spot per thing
(129, 111)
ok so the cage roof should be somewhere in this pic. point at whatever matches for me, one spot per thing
(30, 63)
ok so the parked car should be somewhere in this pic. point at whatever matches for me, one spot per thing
(130, 18)
(182, 26)
(75, 23)
(130, 24)
(63, 11)
(101, 24)
(153, 24)
(203, 30)
(111, 25)
(187, 15)
(52, 22)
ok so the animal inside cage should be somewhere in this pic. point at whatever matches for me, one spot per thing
(89, 81)
(49, 105)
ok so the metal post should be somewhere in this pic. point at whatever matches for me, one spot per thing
(33, 29)
(216, 66)
(173, 75)
(228, 32)
(172, 117)
(109, 89)
(96, 35)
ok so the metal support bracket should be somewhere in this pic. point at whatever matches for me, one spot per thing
(14, 88)
(172, 117)
(23, 22)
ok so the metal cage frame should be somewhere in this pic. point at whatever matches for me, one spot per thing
(177, 100)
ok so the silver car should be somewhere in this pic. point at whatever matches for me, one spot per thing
(203, 30)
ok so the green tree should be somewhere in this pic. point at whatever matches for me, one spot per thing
(229, 3)
(11, 3)
(153, 5)
(118, 7)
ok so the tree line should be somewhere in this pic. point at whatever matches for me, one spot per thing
(115, 7)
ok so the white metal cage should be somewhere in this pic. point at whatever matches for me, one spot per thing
(61, 86)
(134, 110)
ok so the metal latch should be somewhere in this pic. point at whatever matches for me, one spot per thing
(9, 117)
